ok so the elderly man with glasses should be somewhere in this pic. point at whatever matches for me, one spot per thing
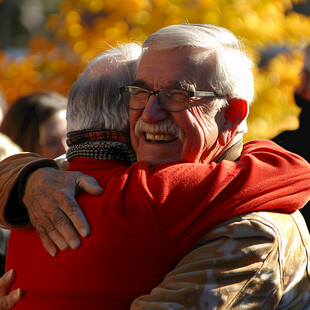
(189, 103)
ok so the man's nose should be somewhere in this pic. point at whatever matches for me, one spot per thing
(153, 112)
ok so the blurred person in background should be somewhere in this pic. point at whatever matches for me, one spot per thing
(37, 123)
(294, 140)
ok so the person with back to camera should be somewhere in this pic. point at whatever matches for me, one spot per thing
(37, 123)
(251, 243)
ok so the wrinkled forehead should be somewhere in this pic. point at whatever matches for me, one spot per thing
(158, 68)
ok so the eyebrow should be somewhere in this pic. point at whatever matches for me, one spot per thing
(185, 85)
(139, 83)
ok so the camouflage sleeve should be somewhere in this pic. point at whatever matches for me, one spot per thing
(245, 263)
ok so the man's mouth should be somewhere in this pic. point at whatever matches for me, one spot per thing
(156, 138)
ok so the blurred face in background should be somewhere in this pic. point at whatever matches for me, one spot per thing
(53, 136)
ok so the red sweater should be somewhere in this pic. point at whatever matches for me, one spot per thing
(147, 220)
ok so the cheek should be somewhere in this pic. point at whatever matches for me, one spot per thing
(194, 142)
(133, 117)
(206, 125)
(201, 137)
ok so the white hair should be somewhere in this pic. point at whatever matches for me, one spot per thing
(231, 69)
(94, 101)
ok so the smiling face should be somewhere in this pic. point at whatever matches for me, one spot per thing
(159, 136)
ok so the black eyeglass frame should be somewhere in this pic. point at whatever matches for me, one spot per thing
(191, 94)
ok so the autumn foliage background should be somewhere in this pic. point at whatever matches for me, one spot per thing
(84, 28)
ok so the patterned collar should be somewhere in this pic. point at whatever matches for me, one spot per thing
(86, 135)
(99, 144)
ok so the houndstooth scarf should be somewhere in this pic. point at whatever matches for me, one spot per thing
(99, 144)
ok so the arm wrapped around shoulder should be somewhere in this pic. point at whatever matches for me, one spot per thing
(252, 261)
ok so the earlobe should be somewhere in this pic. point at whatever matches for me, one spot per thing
(235, 113)
(224, 137)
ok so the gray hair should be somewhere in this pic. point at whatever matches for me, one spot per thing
(231, 74)
(94, 101)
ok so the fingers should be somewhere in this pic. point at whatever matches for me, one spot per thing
(9, 301)
(6, 281)
(78, 219)
(49, 245)
(59, 237)
(56, 231)
(53, 211)
(69, 222)
(51, 239)
(89, 185)
(64, 233)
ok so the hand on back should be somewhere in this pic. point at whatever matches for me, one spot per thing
(53, 211)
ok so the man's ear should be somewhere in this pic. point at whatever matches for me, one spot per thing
(235, 113)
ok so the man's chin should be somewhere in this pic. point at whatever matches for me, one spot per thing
(159, 153)
(158, 161)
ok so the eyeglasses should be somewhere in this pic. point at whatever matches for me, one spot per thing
(170, 99)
